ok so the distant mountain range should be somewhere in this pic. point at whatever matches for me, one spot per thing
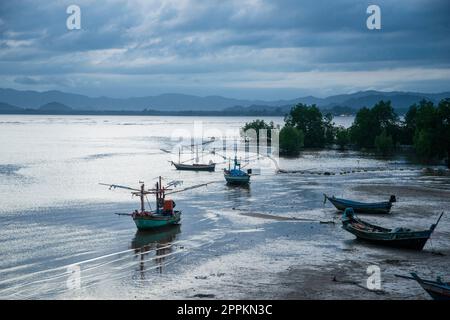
(62, 102)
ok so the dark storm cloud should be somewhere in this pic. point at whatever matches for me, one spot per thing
(225, 46)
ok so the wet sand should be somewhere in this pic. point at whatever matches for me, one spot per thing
(278, 218)
(223, 249)
(347, 278)
(275, 239)
(345, 275)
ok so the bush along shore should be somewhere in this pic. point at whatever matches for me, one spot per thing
(425, 129)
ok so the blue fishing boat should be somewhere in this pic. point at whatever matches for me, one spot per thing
(361, 207)
(398, 237)
(438, 289)
(236, 175)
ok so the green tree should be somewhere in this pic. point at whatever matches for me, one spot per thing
(443, 111)
(385, 116)
(258, 125)
(426, 115)
(428, 126)
(426, 142)
(384, 143)
(409, 126)
(362, 131)
(423, 144)
(342, 137)
(370, 123)
(291, 140)
(310, 121)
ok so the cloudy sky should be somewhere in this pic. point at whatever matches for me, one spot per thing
(259, 49)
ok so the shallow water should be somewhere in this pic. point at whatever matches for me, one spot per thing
(232, 243)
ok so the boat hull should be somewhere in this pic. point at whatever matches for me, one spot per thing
(360, 207)
(411, 244)
(195, 167)
(414, 240)
(237, 180)
(438, 289)
(437, 292)
(154, 221)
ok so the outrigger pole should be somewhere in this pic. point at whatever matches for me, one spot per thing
(159, 191)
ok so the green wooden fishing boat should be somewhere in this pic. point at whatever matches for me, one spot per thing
(398, 237)
(152, 219)
(164, 213)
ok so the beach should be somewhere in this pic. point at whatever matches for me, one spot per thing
(275, 239)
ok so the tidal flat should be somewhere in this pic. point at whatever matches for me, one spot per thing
(275, 239)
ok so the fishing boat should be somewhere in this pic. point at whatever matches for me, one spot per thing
(398, 237)
(164, 213)
(195, 166)
(438, 289)
(236, 176)
(361, 207)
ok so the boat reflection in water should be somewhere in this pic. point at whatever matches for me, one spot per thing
(238, 195)
(153, 247)
(238, 189)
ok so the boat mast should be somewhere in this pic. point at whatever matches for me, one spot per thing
(159, 194)
(202, 149)
(160, 188)
(157, 197)
(163, 190)
(196, 155)
(235, 154)
(142, 198)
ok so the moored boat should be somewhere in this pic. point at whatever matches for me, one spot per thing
(361, 207)
(438, 289)
(195, 166)
(152, 219)
(164, 213)
(236, 175)
(398, 237)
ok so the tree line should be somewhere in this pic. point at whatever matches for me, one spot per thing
(425, 127)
